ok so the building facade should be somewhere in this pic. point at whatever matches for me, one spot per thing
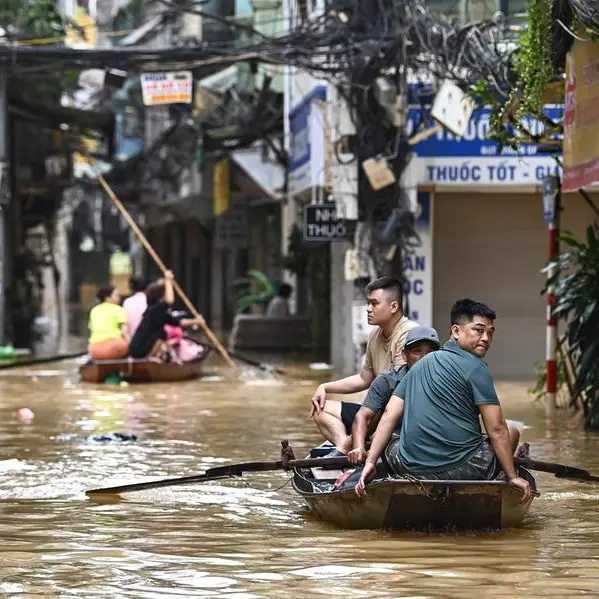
(479, 217)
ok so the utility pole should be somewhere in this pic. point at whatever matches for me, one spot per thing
(4, 199)
(551, 211)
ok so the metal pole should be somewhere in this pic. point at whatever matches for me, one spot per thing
(551, 340)
(4, 199)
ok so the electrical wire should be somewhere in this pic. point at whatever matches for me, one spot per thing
(353, 43)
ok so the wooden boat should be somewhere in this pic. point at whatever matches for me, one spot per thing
(401, 504)
(142, 371)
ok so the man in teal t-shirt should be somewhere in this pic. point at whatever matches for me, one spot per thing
(439, 402)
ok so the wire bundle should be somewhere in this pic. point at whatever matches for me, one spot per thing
(352, 43)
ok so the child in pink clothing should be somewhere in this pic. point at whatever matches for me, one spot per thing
(184, 349)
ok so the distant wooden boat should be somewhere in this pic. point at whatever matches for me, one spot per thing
(400, 504)
(142, 371)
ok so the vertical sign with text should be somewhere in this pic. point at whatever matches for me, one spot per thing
(221, 199)
(418, 267)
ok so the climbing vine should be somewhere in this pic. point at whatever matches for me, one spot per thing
(533, 61)
(31, 18)
(534, 70)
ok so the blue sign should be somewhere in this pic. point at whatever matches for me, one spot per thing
(475, 142)
(299, 129)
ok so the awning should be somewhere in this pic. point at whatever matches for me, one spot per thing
(138, 35)
(54, 115)
(267, 173)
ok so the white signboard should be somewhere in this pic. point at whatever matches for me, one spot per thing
(306, 152)
(456, 170)
(418, 267)
(167, 88)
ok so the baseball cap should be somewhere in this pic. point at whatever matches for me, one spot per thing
(422, 334)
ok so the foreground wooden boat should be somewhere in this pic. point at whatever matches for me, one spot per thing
(400, 504)
(142, 371)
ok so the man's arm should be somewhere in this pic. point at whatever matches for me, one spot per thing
(359, 431)
(381, 439)
(350, 384)
(499, 436)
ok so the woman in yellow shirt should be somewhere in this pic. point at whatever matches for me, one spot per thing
(108, 326)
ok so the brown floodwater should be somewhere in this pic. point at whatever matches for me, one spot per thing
(247, 538)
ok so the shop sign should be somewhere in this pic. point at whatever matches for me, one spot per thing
(418, 267)
(474, 159)
(167, 88)
(322, 224)
(581, 121)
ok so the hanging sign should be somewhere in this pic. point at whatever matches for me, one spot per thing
(322, 224)
(167, 88)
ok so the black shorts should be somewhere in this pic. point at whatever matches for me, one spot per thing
(483, 465)
(348, 414)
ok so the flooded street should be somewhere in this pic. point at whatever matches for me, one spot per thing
(247, 538)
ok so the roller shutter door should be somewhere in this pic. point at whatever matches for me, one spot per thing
(491, 247)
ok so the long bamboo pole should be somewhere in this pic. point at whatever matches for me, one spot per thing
(142, 238)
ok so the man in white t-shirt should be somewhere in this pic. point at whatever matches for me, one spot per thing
(384, 351)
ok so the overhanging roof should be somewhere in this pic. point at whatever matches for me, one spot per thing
(54, 115)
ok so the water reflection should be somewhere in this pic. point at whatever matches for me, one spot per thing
(252, 537)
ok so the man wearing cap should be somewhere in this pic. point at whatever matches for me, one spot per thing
(440, 403)
(360, 420)
(419, 342)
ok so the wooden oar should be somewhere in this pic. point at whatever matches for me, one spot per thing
(161, 265)
(222, 472)
(4, 365)
(560, 471)
(249, 361)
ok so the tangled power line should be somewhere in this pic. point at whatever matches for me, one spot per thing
(352, 44)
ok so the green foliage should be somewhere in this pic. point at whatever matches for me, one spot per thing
(257, 289)
(37, 19)
(539, 389)
(533, 66)
(497, 128)
(533, 61)
(32, 18)
(40, 17)
(577, 304)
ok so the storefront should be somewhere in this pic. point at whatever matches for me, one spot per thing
(486, 238)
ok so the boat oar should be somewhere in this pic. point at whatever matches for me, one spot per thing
(142, 238)
(559, 470)
(250, 362)
(222, 472)
(35, 361)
